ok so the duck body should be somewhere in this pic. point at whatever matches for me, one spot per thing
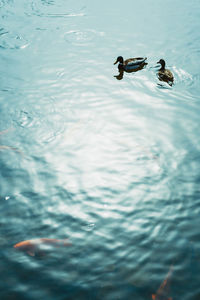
(165, 74)
(130, 64)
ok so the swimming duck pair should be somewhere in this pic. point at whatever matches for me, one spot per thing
(137, 63)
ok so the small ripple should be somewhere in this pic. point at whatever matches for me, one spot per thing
(78, 37)
(89, 226)
(182, 76)
(66, 15)
(47, 123)
(10, 40)
(24, 119)
(3, 31)
(39, 11)
(48, 2)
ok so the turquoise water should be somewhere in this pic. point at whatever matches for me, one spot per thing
(113, 165)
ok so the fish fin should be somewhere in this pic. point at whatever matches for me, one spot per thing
(153, 296)
(170, 298)
(31, 253)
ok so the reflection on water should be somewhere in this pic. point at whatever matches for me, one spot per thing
(113, 165)
(121, 72)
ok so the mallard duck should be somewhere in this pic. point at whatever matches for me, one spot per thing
(130, 63)
(165, 74)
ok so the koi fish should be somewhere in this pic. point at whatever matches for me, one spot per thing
(3, 147)
(163, 291)
(38, 246)
(5, 131)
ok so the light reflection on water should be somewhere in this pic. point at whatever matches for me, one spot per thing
(113, 165)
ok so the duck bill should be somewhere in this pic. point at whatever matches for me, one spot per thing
(115, 62)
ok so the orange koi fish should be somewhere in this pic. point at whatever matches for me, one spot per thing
(3, 147)
(38, 246)
(163, 291)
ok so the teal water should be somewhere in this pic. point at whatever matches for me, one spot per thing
(113, 165)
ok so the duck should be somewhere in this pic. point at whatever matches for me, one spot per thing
(165, 74)
(130, 64)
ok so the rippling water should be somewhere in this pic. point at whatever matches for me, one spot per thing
(113, 165)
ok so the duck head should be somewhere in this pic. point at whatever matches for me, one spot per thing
(162, 62)
(120, 60)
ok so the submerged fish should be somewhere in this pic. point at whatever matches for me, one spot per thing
(163, 291)
(3, 147)
(38, 246)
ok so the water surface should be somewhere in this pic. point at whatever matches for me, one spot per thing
(113, 165)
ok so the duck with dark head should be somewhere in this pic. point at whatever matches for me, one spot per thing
(165, 74)
(129, 65)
